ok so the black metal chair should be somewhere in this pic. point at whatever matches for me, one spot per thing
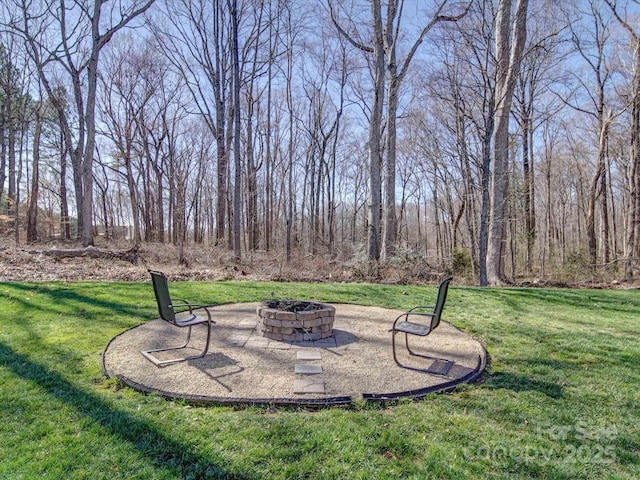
(181, 314)
(433, 314)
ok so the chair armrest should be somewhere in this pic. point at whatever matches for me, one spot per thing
(185, 304)
(179, 300)
(415, 311)
(425, 307)
(181, 305)
(420, 314)
(189, 306)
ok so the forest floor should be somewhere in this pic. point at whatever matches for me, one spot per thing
(36, 263)
(207, 263)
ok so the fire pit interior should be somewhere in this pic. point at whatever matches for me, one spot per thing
(296, 320)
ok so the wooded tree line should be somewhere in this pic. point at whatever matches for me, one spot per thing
(500, 134)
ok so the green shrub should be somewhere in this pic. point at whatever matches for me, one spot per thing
(461, 263)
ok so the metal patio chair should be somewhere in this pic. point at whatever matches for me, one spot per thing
(177, 312)
(410, 323)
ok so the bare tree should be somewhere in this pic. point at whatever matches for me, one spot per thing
(511, 31)
(80, 32)
(468, 88)
(385, 71)
(235, 81)
(532, 108)
(290, 36)
(125, 94)
(591, 45)
(196, 41)
(396, 70)
(632, 238)
(12, 97)
(32, 211)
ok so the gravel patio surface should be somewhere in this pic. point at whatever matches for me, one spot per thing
(242, 366)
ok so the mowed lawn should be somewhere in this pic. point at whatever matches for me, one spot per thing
(560, 399)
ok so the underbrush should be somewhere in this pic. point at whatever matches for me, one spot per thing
(202, 262)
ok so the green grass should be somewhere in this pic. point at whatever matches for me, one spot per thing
(561, 399)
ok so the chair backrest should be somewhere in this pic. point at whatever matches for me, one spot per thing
(442, 297)
(161, 289)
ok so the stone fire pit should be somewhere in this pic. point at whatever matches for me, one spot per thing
(296, 320)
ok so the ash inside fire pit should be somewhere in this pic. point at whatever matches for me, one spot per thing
(293, 305)
(296, 320)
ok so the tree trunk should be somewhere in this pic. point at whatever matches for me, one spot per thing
(373, 143)
(485, 194)
(390, 225)
(604, 211)
(527, 186)
(130, 255)
(595, 191)
(632, 237)
(3, 152)
(269, 192)
(222, 175)
(237, 187)
(65, 223)
(11, 146)
(390, 220)
(32, 212)
(133, 194)
(252, 188)
(632, 240)
(508, 53)
(289, 170)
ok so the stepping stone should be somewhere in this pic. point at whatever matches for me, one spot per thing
(308, 386)
(306, 369)
(309, 355)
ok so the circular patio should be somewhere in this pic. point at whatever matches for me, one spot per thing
(242, 366)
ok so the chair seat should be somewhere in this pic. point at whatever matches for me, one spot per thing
(184, 319)
(413, 328)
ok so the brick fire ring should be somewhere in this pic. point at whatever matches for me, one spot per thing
(296, 320)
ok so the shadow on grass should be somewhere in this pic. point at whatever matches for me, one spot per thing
(166, 454)
(587, 300)
(523, 383)
(65, 298)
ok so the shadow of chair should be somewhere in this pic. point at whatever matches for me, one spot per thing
(179, 313)
(409, 323)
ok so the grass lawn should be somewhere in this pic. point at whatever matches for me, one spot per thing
(561, 399)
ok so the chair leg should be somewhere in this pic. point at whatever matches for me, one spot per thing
(442, 371)
(148, 354)
(393, 345)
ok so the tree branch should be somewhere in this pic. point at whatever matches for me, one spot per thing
(437, 18)
(348, 37)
